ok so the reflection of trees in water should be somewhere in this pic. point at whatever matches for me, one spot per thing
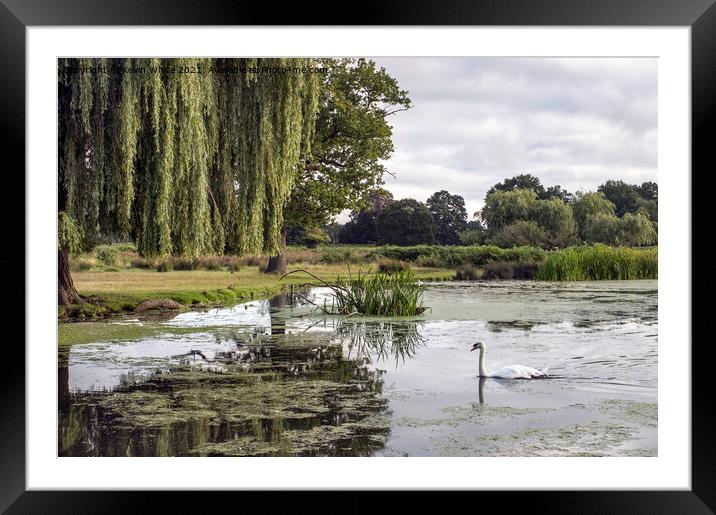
(381, 339)
(313, 400)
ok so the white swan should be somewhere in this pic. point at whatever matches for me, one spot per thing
(510, 372)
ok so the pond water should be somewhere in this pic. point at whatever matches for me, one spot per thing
(276, 378)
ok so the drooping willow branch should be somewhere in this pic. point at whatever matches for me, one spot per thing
(145, 144)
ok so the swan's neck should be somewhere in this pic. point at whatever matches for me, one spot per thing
(483, 370)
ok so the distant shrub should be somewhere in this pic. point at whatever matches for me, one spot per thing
(252, 260)
(524, 270)
(294, 256)
(511, 270)
(498, 270)
(211, 263)
(450, 257)
(165, 266)
(82, 264)
(467, 273)
(472, 237)
(183, 263)
(522, 232)
(143, 263)
(428, 261)
(390, 266)
(337, 256)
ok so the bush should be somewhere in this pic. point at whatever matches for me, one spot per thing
(391, 266)
(142, 263)
(106, 255)
(337, 256)
(599, 262)
(428, 261)
(522, 270)
(498, 270)
(451, 257)
(164, 266)
(522, 233)
(472, 237)
(82, 264)
(467, 273)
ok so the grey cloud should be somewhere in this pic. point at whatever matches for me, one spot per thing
(574, 122)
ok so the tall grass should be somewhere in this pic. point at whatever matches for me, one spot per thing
(397, 294)
(599, 262)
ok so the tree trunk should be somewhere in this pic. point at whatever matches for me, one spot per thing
(278, 323)
(277, 264)
(66, 292)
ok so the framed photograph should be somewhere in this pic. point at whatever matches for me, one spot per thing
(284, 249)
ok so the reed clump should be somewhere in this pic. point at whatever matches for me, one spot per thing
(599, 263)
(394, 295)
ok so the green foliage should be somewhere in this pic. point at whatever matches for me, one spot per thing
(503, 208)
(165, 265)
(630, 230)
(626, 196)
(599, 262)
(586, 207)
(449, 216)
(530, 182)
(391, 266)
(473, 237)
(338, 255)
(310, 237)
(636, 230)
(69, 234)
(352, 141)
(405, 222)
(450, 257)
(601, 228)
(398, 294)
(152, 150)
(555, 217)
(361, 228)
(520, 233)
(474, 233)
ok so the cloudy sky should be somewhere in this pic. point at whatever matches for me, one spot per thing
(575, 122)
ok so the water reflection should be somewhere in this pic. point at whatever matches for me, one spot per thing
(381, 340)
(284, 397)
(276, 378)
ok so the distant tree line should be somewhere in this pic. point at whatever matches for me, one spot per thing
(517, 211)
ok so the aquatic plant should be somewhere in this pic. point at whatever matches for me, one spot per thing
(398, 294)
(599, 262)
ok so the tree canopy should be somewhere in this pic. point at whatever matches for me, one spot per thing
(449, 216)
(405, 222)
(530, 182)
(361, 228)
(187, 156)
(352, 141)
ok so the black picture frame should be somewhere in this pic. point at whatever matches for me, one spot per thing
(700, 15)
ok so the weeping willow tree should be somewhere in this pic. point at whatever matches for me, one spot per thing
(184, 156)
